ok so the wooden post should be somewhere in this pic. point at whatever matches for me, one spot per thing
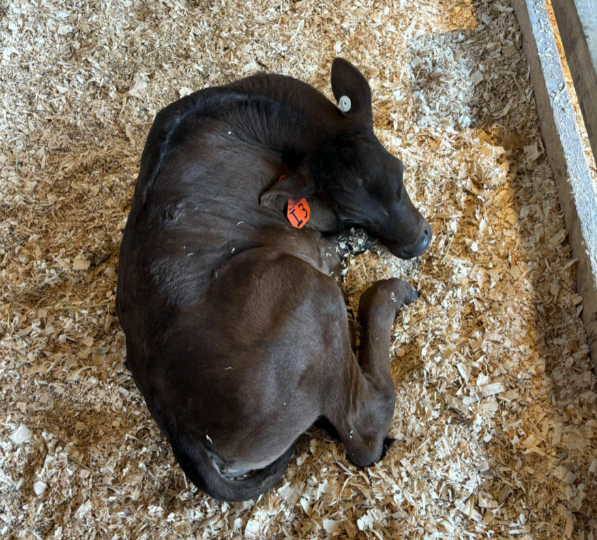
(578, 198)
(577, 23)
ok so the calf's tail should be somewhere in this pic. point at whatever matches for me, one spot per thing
(199, 468)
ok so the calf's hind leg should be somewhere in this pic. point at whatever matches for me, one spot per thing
(366, 408)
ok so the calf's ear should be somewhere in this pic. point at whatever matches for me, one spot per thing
(348, 82)
(297, 186)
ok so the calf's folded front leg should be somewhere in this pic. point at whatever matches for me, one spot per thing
(370, 402)
(378, 308)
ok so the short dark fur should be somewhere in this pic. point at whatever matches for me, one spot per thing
(237, 336)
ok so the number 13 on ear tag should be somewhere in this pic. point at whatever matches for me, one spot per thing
(298, 212)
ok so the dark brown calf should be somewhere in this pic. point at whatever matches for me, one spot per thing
(237, 336)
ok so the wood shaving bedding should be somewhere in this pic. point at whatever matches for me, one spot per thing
(496, 401)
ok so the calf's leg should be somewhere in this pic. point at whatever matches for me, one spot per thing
(363, 413)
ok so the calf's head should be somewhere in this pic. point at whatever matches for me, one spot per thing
(363, 184)
(360, 179)
(357, 178)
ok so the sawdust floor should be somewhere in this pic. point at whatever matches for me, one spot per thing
(496, 403)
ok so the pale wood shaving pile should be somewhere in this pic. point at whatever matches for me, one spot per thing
(496, 401)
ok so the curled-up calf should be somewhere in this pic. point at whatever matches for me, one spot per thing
(236, 331)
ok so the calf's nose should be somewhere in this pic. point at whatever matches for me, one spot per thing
(417, 248)
(426, 237)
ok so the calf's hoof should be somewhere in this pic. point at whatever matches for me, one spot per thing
(411, 294)
(387, 443)
(404, 293)
(394, 290)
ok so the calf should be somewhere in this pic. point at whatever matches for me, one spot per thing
(236, 331)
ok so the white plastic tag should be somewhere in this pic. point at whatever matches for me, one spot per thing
(344, 104)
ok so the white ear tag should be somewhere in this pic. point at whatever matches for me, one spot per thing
(344, 104)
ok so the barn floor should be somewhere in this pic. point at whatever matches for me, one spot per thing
(496, 415)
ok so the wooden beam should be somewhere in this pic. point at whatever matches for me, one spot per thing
(578, 198)
(577, 24)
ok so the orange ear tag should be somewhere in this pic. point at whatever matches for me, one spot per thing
(298, 212)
